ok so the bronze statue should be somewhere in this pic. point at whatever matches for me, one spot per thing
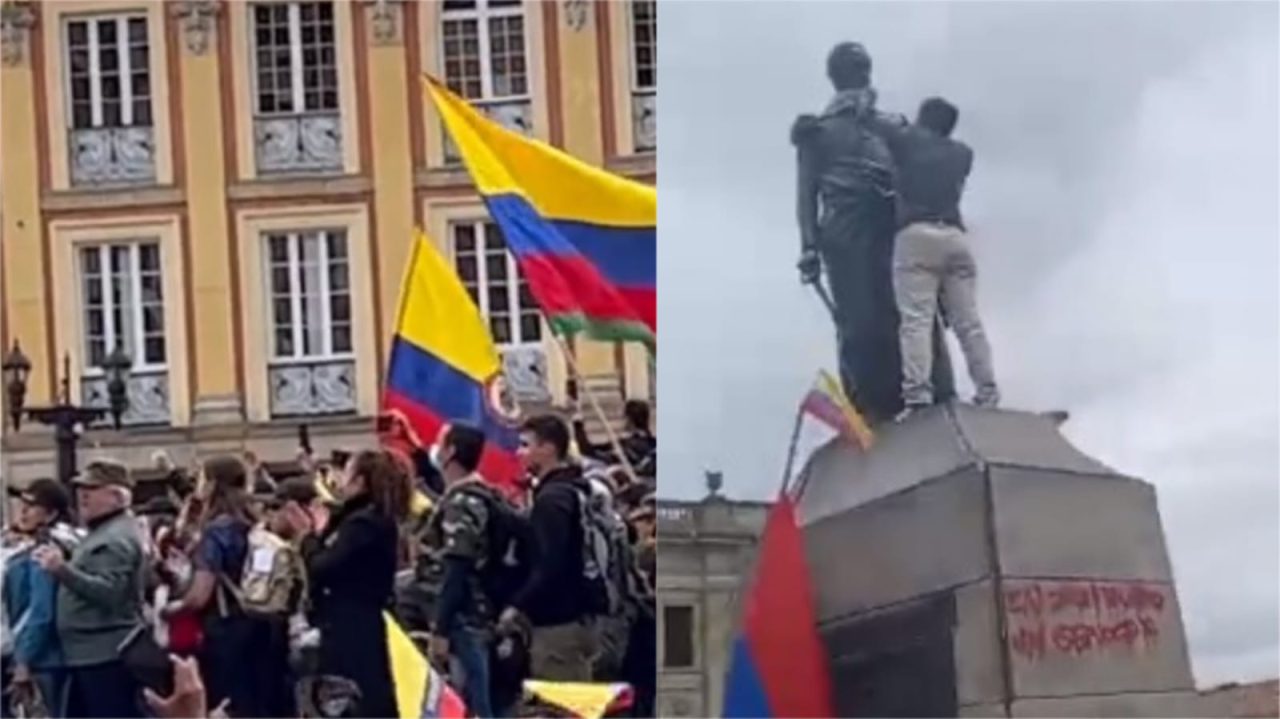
(845, 207)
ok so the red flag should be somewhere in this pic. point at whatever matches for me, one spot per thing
(779, 666)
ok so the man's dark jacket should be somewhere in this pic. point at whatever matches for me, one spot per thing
(931, 172)
(554, 593)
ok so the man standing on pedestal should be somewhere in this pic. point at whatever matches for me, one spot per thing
(932, 263)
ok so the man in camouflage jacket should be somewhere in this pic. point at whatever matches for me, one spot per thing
(457, 538)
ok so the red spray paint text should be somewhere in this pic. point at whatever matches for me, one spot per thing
(1075, 618)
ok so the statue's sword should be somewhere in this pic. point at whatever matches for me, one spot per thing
(825, 296)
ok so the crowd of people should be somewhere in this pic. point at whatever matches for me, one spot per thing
(241, 593)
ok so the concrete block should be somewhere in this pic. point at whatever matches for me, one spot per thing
(1160, 704)
(972, 555)
(934, 443)
(1021, 439)
(1069, 636)
(842, 476)
(918, 541)
(1053, 524)
(979, 673)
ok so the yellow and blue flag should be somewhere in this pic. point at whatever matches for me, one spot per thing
(444, 368)
(585, 239)
(420, 690)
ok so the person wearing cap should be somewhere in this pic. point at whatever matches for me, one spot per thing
(30, 592)
(100, 592)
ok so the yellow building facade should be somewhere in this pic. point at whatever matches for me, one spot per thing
(227, 190)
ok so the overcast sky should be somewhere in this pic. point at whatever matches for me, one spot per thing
(1123, 210)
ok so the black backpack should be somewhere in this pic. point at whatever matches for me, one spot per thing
(611, 579)
(510, 549)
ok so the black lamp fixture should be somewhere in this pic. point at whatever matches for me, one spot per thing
(65, 418)
(17, 368)
(117, 366)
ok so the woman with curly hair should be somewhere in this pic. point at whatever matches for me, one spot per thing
(351, 562)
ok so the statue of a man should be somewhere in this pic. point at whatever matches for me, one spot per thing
(845, 207)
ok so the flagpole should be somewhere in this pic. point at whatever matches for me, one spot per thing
(791, 449)
(595, 405)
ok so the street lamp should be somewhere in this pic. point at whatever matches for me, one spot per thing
(16, 368)
(64, 417)
(117, 366)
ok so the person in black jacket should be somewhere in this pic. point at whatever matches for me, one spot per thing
(351, 565)
(554, 600)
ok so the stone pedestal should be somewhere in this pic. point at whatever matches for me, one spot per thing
(974, 563)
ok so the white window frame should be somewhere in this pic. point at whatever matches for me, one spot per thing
(138, 351)
(514, 278)
(124, 67)
(636, 87)
(481, 13)
(297, 87)
(295, 298)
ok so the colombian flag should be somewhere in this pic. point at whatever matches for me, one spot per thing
(586, 239)
(444, 368)
(421, 693)
(778, 666)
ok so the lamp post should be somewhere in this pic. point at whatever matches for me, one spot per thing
(65, 417)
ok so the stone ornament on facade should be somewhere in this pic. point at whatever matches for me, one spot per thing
(327, 387)
(299, 143)
(386, 21)
(16, 19)
(575, 13)
(644, 111)
(112, 155)
(526, 372)
(199, 17)
(148, 398)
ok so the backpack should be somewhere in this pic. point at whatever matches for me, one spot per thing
(273, 578)
(608, 565)
(510, 547)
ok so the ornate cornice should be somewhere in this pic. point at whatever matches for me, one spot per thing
(199, 19)
(386, 20)
(576, 13)
(17, 17)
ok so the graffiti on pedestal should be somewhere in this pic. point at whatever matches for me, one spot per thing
(1076, 618)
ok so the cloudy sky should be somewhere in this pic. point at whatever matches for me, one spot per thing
(1124, 216)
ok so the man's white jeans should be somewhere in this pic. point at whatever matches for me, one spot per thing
(932, 265)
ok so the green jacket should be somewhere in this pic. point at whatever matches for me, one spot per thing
(102, 592)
